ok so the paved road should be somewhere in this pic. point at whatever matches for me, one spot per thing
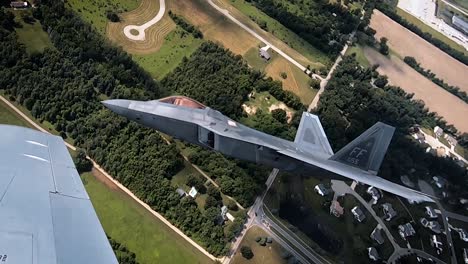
(447, 231)
(435, 143)
(408, 251)
(257, 36)
(141, 29)
(118, 184)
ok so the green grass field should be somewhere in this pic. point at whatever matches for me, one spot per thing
(94, 11)
(126, 221)
(177, 44)
(410, 18)
(8, 116)
(360, 57)
(31, 35)
(255, 61)
(281, 32)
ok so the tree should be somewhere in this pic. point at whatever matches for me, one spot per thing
(383, 46)
(314, 83)
(247, 252)
(381, 81)
(280, 115)
(214, 192)
(82, 164)
(283, 75)
(112, 16)
(211, 202)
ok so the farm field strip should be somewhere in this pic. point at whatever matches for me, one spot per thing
(406, 43)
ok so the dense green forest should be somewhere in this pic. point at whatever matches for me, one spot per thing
(124, 256)
(323, 24)
(351, 104)
(389, 10)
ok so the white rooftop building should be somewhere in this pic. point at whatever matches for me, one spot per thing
(193, 192)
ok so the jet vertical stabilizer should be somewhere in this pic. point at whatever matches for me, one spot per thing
(310, 135)
(367, 151)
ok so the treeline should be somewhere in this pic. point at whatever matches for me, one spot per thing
(124, 256)
(348, 110)
(64, 85)
(186, 25)
(411, 61)
(323, 24)
(389, 10)
(219, 79)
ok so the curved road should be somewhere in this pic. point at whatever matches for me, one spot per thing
(141, 29)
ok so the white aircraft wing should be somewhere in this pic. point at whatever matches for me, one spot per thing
(45, 213)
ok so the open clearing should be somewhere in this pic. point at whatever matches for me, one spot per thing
(31, 35)
(126, 221)
(436, 98)
(296, 81)
(406, 43)
(10, 117)
(154, 35)
(271, 253)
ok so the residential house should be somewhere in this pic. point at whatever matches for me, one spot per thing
(336, 209)
(321, 189)
(406, 230)
(439, 181)
(373, 254)
(181, 192)
(193, 192)
(465, 255)
(434, 226)
(18, 4)
(431, 212)
(375, 193)
(263, 52)
(463, 234)
(451, 140)
(438, 131)
(436, 242)
(377, 235)
(358, 214)
(389, 212)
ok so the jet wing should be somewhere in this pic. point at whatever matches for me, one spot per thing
(361, 176)
(45, 213)
(310, 136)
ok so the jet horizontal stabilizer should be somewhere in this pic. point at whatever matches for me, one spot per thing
(367, 151)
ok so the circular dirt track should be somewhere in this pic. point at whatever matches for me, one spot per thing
(153, 35)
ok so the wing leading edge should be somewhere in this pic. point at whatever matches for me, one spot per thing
(46, 215)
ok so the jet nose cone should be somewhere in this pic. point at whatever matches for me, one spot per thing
(117, 106)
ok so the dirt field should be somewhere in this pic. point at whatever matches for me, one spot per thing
(210, 22)
(406, 43)
(296, 81)
(154, 35)
(436, 98)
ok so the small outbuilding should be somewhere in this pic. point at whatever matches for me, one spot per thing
(263, 52)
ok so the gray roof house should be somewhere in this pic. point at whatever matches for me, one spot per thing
(373, 254)
(377, 235)
(406, 230)
(358, 214)
(463, 234)
(436, 242)
(431, 212)
(388, 211)
(376, 194)
(434, 226)
(263, 52)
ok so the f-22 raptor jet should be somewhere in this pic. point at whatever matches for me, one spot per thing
(310, 153)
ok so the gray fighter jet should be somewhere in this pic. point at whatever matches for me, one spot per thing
(310, 154)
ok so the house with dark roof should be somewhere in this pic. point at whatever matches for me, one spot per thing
(434, 226)
(181, 192)
(375, 193)
(358, 214)
(436, 242)
(373, 254)
(376, 235)
(389, 212)
(430, 212)
(463, 234)
(406, 230)
(336, 209)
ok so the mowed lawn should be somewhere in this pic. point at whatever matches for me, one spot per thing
(271, 253)
(177, 44)
(126, 221)
(31, 35)
(10, 117)
(94, 11)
